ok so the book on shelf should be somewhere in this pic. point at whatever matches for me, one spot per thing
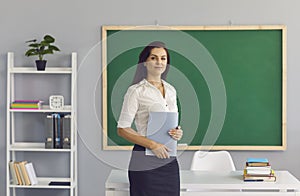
(16, 169)
(58, 131)
(31, 173)
(22, 173)
(13, 173)
(258, 169)
(26, 104)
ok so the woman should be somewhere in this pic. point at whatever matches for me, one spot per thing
(159, 174)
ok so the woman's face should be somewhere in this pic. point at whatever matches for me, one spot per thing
(156, 63)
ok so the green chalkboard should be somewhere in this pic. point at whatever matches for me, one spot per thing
(230, 83)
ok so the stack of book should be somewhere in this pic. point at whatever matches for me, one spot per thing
(22, 173)
(258, 170)
(26, 104)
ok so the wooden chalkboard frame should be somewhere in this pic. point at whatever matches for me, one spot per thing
(105, 119)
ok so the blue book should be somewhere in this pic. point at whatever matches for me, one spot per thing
(257, 160)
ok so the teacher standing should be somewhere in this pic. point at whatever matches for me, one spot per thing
(150, 175)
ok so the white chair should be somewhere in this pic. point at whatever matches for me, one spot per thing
(217, 161)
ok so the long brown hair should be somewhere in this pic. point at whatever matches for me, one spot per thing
(141, 70)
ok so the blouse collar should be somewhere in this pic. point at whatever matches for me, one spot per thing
(144, 81)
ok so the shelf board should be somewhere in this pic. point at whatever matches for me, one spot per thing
(34, 147)
(48, 70)
(44, 109)
(43, 183)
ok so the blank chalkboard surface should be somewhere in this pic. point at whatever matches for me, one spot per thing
(230, 83)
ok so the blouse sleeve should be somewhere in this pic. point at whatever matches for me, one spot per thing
(129, 108)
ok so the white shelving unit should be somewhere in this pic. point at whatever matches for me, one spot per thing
(13, 146)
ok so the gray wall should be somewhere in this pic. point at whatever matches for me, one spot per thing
(76, 25)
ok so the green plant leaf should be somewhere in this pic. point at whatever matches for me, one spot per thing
(54, 48)
(44, 43)
(35, 45)
(33, 40)
(48, 51)
(41, 49)
(49, 39)
(31, 52)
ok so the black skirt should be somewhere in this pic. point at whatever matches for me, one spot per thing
(149, 175)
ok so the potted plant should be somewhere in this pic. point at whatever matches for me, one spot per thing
(40, 49)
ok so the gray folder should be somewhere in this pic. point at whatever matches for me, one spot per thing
(159, 124)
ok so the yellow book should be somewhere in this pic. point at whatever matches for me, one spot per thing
(20, 182)
(24, 173)
(13, 173)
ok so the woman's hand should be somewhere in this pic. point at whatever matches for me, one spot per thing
(176, 133)
(161, 151)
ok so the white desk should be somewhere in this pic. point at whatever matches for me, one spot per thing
(197, 183)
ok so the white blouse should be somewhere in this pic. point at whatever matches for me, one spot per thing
(143, 98)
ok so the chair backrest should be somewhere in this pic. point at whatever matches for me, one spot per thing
(219, 161)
